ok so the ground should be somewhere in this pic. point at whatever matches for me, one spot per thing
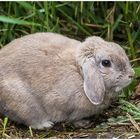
(101, 127)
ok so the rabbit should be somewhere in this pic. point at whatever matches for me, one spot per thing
(47, 78)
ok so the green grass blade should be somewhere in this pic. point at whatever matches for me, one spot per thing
(24, 4)
(131, 42)
(31, 132)
(4, 126)
(117, 22)
(126, 8)
(16, 21)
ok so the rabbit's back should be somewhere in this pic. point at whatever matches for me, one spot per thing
(37, 49)
(39, 59)
(38, 41)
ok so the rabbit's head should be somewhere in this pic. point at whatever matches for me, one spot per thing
(105, 67)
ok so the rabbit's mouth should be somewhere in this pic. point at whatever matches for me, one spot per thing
(118, 87)
(121, 86)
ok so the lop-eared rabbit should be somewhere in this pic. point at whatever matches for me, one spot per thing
(47, 78)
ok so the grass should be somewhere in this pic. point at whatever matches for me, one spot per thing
(4, 126)
(114, 21)
(31, 132)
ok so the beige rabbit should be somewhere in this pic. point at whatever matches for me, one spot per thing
(47, 78)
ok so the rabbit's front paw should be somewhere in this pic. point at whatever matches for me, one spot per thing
(44, 125)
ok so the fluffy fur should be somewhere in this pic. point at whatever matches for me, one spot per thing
(47, 78)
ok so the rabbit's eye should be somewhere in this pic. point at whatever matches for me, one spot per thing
(106, 63)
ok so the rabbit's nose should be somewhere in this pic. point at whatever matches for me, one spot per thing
(131, 74)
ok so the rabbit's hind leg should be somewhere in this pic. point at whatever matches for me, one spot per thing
(19, 103)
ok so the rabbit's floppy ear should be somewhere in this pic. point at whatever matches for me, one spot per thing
(93, 82)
